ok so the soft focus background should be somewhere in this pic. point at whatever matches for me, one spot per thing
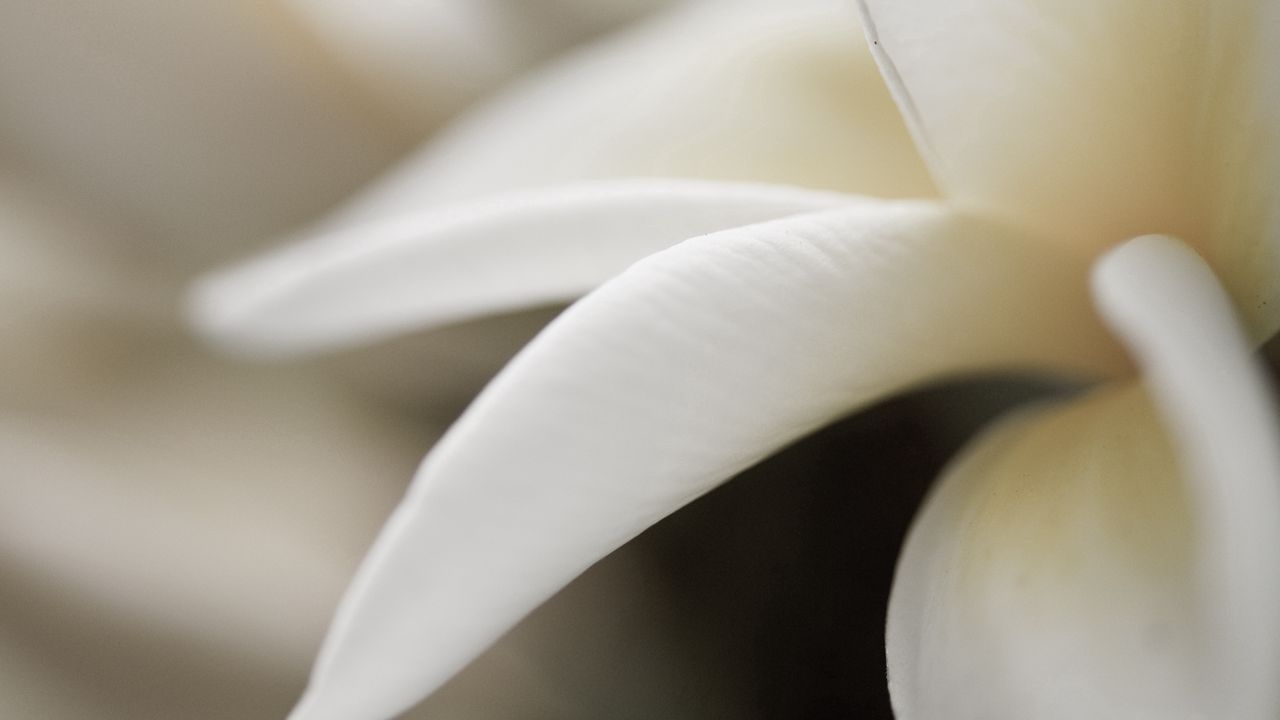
(176, 527)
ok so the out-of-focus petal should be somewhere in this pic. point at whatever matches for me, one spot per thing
(1241, 172)
(1095, 121)
(70, 302)
(1047, 577)
(509, 252)
(207, 126)
(690, 366)
(1109, 558)
(722, 90)
(175, 544)
(427, 58)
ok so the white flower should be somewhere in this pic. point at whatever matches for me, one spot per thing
(1110, 557)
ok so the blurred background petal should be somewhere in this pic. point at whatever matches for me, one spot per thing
(177, 528)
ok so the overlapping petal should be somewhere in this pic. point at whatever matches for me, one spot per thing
(722, 90)
(1097, 121)
(1109, 558)
(1047, 577)
(1074, 116)
(202, 125)
(690, 366)
(762, 91)
(505, 253)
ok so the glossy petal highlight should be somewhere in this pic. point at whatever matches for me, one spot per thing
(1047, 576)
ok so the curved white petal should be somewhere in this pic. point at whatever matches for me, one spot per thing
(1093, 120)
(1241, 175)
(505, 253)
(1215, 400)
(687, 368)
(1047, 577)
(1111, 558)
(741, 90)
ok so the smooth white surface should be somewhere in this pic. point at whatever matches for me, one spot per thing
(689, 367)
(1047, 576)
(1095, 121)
(1113, 557)
(1220, 409)
(1096, 104)
(426, 58)
(741, 90)
(507, 252)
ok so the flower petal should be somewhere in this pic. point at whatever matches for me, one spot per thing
(202, 124)
(1077, 563)
(506, 253)
(1090, 119)
(1241, 175)
(428, 58)
(689, 367)
(1218, 406)
(174, 544)
(723, 90)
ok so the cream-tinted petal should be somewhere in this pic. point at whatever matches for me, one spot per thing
(690, 366)
(205, 127)
(505, 253)
(1078, 118)
(1048, 576)
(1241, 170)
(722, 90)
(1179, 323)
(1097, 121)
(1110, 558)
(71, 303)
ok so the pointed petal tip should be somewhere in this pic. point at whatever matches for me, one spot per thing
(371, 280)
(203, 307)
(320, 703)
(1136, 250)
(218, 309)
(304, 709)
